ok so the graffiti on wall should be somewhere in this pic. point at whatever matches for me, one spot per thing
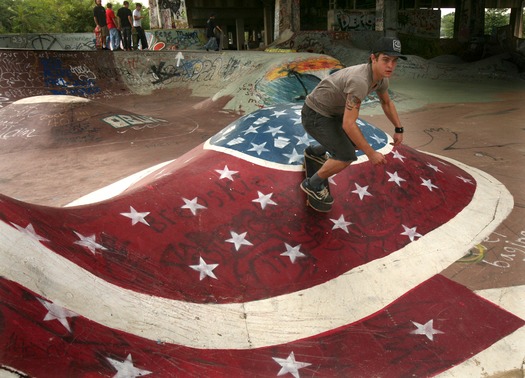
(352, 20)
(320, 42)
(420, 22)
(71, 41)
(178, 39)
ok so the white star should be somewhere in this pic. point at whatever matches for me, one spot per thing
(341, 223)
(411, 232)
(296, 121)
(377, 139)
(226, 173)
(274, 130)
(135, 216)
(204, 269)
(259, 148)
(362, 191)
(397, 155)
(293, 252)
(89, 242)
(278, 114)
(428, 184)
(235, 141)
(57, 312)
(192, 205)
(305, 139)
(290, 365)
(395, 178)
(30, 231)
(238, 239)
(264, 199)
(434, 167)
(293, 157)
(261, 120)
(126, 369)
(251, 130)
(465, 180)
(426, 329)
(281, 142)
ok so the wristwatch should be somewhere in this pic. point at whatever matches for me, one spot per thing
(399, 130)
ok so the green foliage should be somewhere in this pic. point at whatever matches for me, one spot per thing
(447, 25)
(6, 15)
(495, 18)
(53, 16)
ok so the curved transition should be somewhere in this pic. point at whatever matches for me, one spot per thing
(216, 267)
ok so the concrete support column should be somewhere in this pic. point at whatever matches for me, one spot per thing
(167, 18)
(386, 17)
(239, 33)
(380, 15)
(471, 20)
(268, 29)
(287, 16)
(516, 21)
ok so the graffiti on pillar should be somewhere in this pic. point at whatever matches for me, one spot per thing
(351, 20)
(168, 14)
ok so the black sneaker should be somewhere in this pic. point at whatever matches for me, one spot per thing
(322, 195)
(309, 154)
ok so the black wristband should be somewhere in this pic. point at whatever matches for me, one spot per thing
(399, 130)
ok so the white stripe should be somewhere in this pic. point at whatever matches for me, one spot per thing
(51, 98)
(345, 299)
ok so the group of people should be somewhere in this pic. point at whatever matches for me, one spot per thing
(122, 27)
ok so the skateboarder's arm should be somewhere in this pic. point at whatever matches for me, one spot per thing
(354, 132)
(391, 113)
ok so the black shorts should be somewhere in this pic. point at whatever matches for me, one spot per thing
(328, 131)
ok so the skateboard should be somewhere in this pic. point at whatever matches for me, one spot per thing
(312, 165)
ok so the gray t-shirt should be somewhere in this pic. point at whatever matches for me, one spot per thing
(329, 96)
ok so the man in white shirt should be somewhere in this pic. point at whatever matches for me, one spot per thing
(137, 28)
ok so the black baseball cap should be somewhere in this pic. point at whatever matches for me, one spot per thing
(389, 46)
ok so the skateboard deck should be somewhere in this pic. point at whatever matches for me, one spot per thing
(311, 166)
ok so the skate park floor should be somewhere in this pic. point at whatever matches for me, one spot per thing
(479, 123)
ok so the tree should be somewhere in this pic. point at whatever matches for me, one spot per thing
(6, 15)
(52, 16)
(447, 25)
(495, 18)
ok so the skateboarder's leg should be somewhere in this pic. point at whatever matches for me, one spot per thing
(317, 153)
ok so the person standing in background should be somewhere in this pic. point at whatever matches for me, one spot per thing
(137, 25)
(213, 33)
(112, 23)
(126, 21)
(99, 15)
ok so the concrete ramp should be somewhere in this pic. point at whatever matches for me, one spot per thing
(251, 79)
(215, 267)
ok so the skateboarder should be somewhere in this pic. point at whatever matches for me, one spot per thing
(330, 112)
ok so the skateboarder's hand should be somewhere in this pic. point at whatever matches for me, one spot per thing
(377, 158)
(398, 139)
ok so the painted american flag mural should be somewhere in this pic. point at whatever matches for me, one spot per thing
(215, 267)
